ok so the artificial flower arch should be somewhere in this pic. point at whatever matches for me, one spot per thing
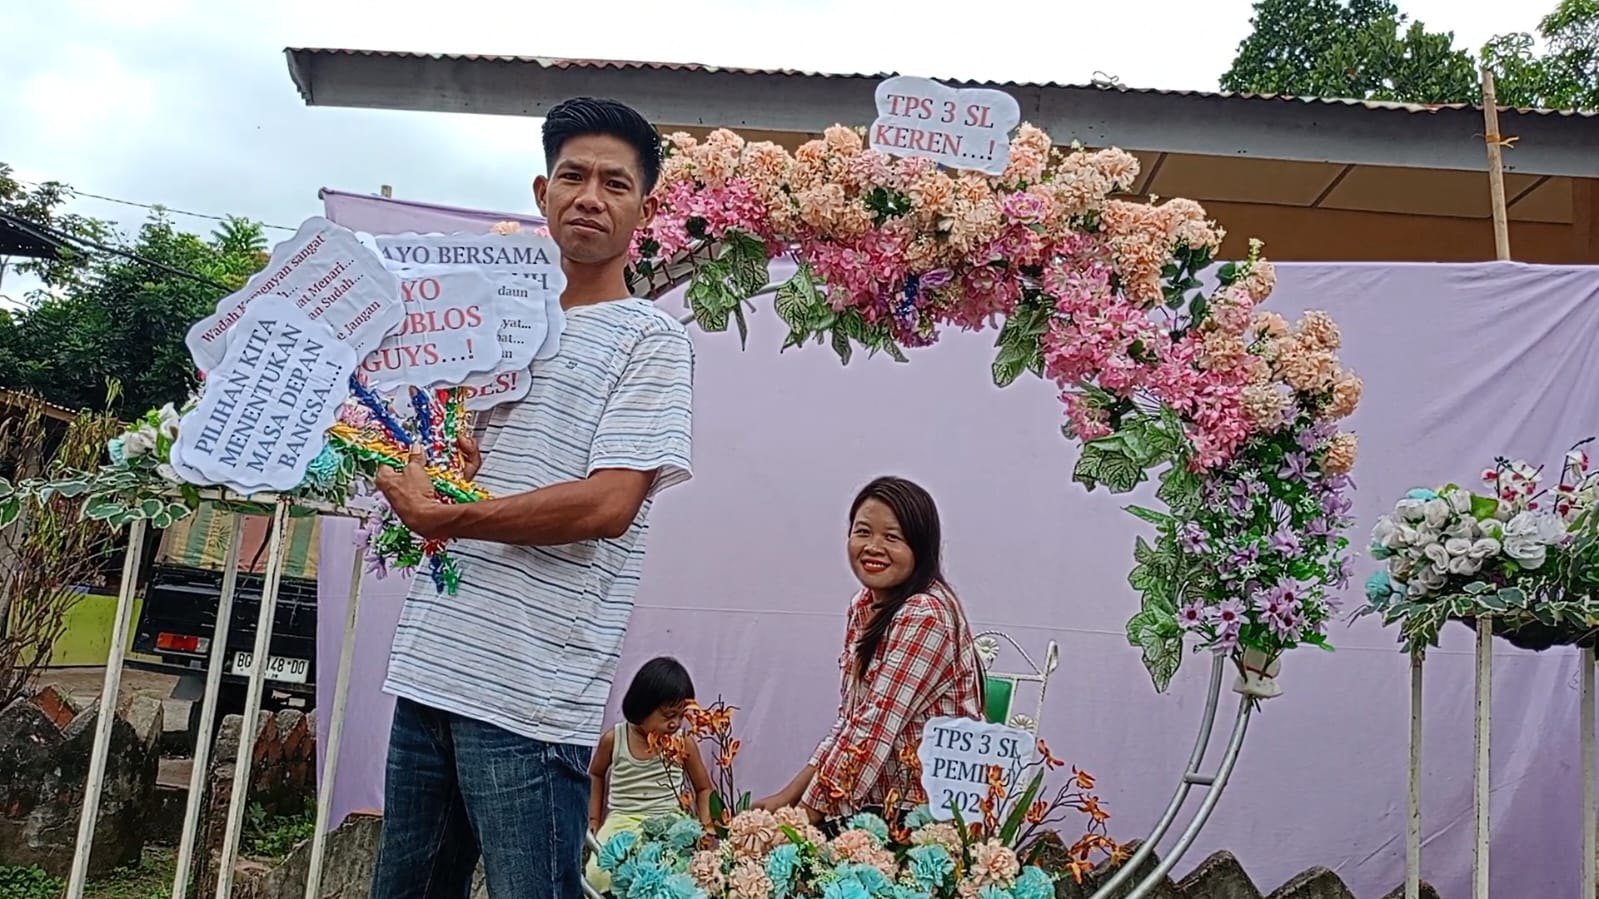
(1232, 408)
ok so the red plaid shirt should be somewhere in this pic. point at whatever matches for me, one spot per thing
(925, 668)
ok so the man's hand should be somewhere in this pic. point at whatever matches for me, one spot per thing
(410, 492)
(471, 456)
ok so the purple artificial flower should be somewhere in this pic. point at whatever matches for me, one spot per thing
(1226, 640)
(1228, 614)
(1191, 616)
(1286, 626)
(1318, 527)
(938, 277)
(1286, 542)
(1193, 538)
(1295, 467)
(1335, 504)
(1281, 599)
(1312, 437)
(1338, 573)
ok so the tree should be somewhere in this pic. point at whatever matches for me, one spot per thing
(124, 317)
(1566, 76)
(1359, 49)
(41, 205)
(1369, 50)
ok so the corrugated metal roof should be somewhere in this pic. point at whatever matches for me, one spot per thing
(550, 62)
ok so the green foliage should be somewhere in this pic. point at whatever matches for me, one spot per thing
(41, 205)
(275, 836)
(1360, 49)
(1370, 50)
(29, 883)
(1565, 76)
(114, 318)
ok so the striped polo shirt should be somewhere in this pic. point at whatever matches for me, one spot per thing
(530, 642)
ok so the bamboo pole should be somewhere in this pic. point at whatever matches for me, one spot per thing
(1496, 166)
(1413, 828)
(1590, 801)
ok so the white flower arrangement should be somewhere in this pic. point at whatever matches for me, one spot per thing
(1454, 553)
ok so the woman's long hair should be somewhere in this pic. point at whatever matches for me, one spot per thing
(918, 523)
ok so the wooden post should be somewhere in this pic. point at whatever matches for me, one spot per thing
(1496, 166)
(1590, 801)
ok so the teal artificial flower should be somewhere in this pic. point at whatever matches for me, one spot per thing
(116, 447)
(1033, 883)
(649, 882)
(901, 891)
(919, 817)
(650, 854)
(622, 877)
(322, 475)
(616, 850)
(657, 827)
(994, 892)
(930, 866)
(1379, 587)
(870, 823)
(875, 881)
(781, 866)
(684, 833)
(843, 889)
(682, 886)
(1422, 494)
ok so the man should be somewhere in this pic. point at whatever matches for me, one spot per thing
(501, 688)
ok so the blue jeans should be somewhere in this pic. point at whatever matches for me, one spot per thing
(457, 789)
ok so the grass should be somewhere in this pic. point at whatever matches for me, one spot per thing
(275, 837)
(150, 879)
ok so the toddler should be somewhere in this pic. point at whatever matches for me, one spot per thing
(631, 779)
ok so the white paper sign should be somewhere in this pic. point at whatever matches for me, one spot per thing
(957, 755)
(268, 403)
(486, 391)
(523, 322)
(450, 331)
(329, 274)
(962, 129)
(527, 254)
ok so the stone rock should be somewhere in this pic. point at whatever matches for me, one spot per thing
(1218, 877)
(352, 851)
(1427, 892)
(44, 766)
(1316, 883)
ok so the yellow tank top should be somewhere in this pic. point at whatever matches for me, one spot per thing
(643, 787)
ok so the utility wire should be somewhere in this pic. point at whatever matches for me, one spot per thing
(72, 191)
(63, 237)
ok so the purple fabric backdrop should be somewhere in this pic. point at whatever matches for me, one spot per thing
(747, 583)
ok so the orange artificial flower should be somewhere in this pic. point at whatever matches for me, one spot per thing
(1050, 761)
(1084, 780)
(1037, 811)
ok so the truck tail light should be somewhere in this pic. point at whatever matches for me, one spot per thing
(181, 643)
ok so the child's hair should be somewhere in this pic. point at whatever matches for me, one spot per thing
(660, 682)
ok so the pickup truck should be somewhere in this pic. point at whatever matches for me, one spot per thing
(178, 617)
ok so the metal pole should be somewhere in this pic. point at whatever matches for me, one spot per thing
(1413, 829)
(1484, 717)
(89, 816)
(215, 664)
(1590, 802)
(252, 697)
(1191, 776)
(330, 761)
(1224, 772)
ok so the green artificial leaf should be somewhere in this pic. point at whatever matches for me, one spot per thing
(1544, 614)
(6, 490)
(1153, 516)
(1104, 462)
(746, 259)
(1492, 602)
(1012, 360)
(1513, 597)
(842, 347)
(71, 489)
(178, 511)
(743, 327)
(1179, 488)
(161, 520)
(102, 510)
(796, 297)
(1162, 654)
(714, 320)
(1476, 587)
(10, 510)
(1483, 507)
(150, 506)
(1013, 823)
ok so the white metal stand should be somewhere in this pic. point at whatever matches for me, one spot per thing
(1590, 801)
(208, 711)
(1482, 775)
(107, 714)
(330, 759)
(1413, 829)
(216, 664)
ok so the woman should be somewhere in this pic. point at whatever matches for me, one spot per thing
(908, 658)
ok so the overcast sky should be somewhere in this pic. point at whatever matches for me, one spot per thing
(182, 103)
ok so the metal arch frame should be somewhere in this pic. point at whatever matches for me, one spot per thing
(1191, 777)
(1214, 783)
(111, 688)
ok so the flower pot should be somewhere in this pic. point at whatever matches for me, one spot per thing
(1257, 674)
